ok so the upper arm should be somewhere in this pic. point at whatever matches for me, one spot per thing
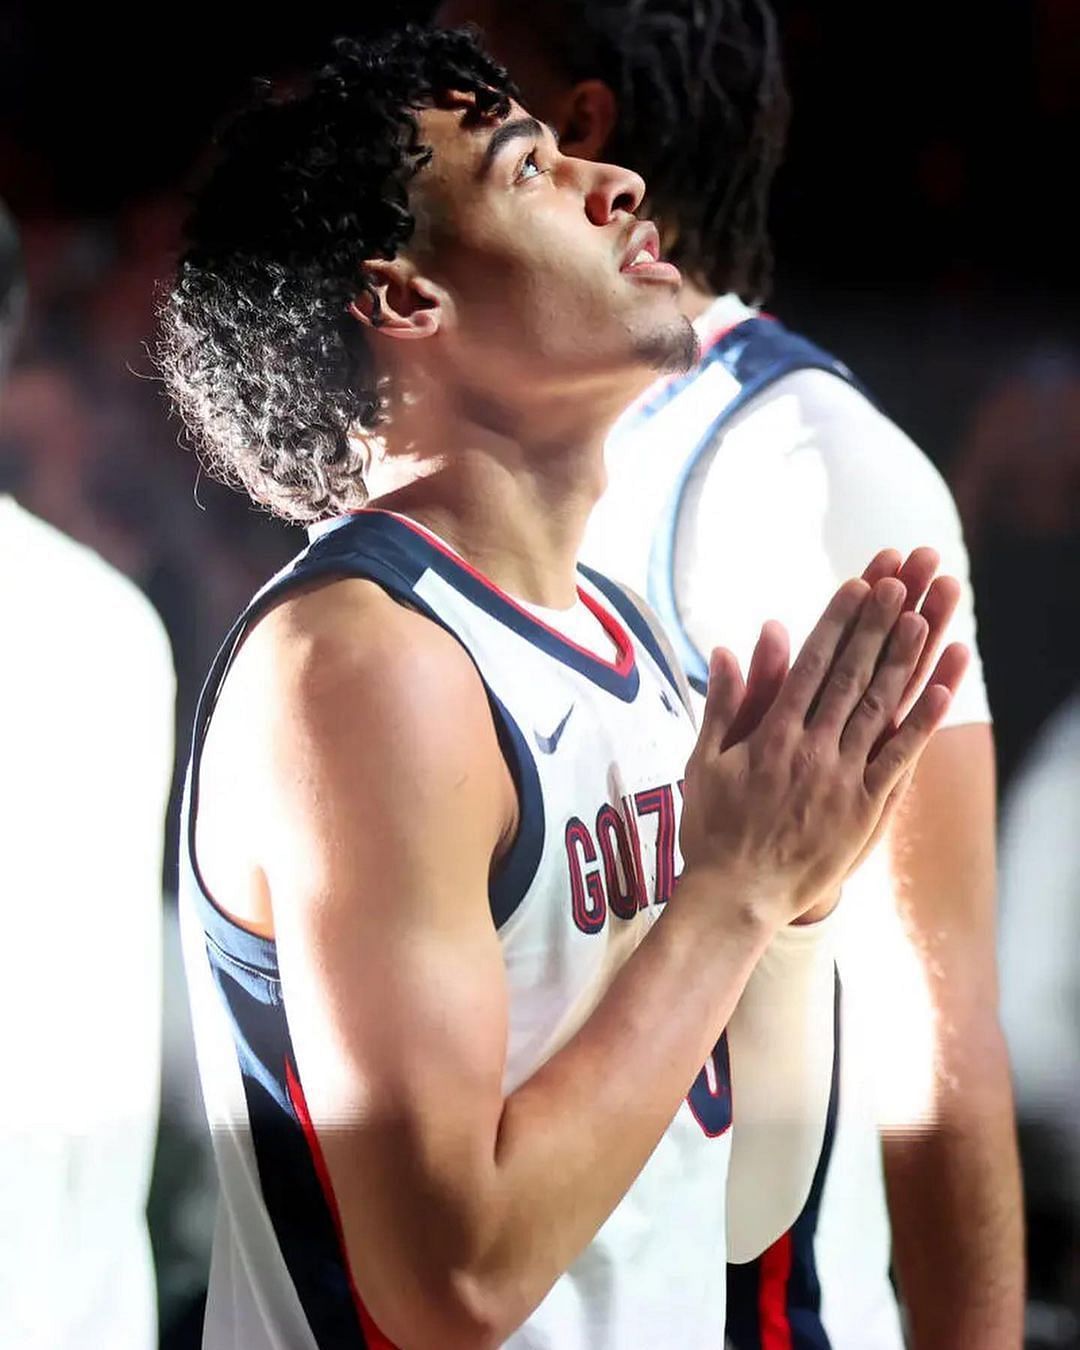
(943, 860)
(385, 803)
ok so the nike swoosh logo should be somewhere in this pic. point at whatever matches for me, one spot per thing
(549, 744)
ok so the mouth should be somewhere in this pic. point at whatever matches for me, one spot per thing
(642, 257)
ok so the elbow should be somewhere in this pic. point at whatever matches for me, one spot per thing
(459, 1311)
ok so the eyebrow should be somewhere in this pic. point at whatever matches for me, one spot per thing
(517, 128)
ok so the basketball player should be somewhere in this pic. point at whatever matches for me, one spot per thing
(751, 487)
(86, 729)
(468, 903)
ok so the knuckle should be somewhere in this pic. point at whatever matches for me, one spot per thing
(774, 738)
(843, 680)
(873, 704)
(812, 662)
(804, 758)
(891, 760)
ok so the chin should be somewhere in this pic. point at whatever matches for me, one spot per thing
(672, 349)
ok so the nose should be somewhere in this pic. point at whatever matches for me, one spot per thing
(611, 189)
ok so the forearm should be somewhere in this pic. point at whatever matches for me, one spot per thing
(955, 1207)
(573, 1137)
(782, 1044)
(954, 1183)
(459, 1233)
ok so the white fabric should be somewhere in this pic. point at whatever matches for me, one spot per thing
(804, 485)
(1040, 935)
(86, 724)
(781, 1038)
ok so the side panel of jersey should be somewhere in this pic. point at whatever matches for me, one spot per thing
(597, 749)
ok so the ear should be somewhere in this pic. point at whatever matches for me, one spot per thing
(409, 305)
(587, 120)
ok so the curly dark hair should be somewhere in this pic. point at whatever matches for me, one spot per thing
(268, 370)
(703, 117)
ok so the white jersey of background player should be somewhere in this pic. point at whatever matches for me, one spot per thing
(693, 96)
(744, 489)
(86, 724)
(86, 739)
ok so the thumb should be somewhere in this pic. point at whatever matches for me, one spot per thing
(724, 697)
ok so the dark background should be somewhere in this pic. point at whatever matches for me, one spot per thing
(926, 231)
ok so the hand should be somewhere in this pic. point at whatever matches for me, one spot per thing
(769, 663)
(917, 574)
(782, 813)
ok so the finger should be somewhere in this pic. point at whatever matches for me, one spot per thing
(917, 573)
(875, 711)
(723, 697)
(901, 752)
(937, 609)
(815, 659)
(853, 669)
(884, 564)
(952, 666)
(765, 679)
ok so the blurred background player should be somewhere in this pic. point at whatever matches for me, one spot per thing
(86, 717)
(746, 489)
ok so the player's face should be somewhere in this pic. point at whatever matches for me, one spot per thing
(551, 277)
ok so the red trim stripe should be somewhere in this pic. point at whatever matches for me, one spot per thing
(622, 666)
(772, 1295)
(372, 1335)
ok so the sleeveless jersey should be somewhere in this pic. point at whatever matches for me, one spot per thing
(825, 1283)
(597, 750)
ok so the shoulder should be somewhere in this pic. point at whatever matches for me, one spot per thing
(343, 669)
(858, 478)
(330, 639)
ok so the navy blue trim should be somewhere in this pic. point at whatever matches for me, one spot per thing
(514, 874)
(402, 558)
(378, 531)
(634, 620)
(804, 1286)
(757, 353)
(292, 1193)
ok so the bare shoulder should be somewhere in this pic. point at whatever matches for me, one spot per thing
(342, 706)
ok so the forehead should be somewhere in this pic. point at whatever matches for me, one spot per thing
(458, 136)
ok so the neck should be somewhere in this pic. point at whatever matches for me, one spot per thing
(695, 300)
(510, 491)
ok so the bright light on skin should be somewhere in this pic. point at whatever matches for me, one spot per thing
(891, 1028)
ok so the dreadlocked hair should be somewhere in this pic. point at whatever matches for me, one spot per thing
(271, 375)
(703, 116)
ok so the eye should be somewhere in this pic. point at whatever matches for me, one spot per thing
(527, 164)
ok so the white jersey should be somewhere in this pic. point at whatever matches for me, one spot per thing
(746, 490)
(597, 745)
(86, 730)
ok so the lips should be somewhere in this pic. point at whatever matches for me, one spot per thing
(642, 257)
(644, 245)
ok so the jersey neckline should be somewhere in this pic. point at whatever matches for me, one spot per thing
(618, 676)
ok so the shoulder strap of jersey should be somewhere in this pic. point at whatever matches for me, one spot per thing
(757, 352)
(656, 628)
